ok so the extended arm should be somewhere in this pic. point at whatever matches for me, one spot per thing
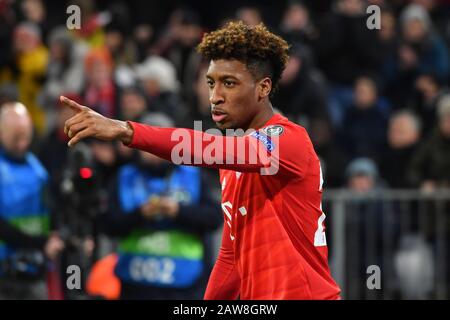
(181, 146)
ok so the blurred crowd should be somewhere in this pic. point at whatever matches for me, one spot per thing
(378, 94)
(375, 102)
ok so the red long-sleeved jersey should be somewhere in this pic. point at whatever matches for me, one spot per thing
(273, 243)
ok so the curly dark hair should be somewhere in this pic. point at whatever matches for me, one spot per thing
(264, 53)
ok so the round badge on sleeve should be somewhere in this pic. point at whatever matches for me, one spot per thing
(273, 130)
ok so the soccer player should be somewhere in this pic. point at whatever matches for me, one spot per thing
(273, 243)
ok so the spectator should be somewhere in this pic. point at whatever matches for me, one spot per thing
(24, 217)
(386, 39)
(29, 68)
(8, 93)
(363, 131)
(251, 16)
(64, 71)
(101, 92)
(158, 78)
(420, 51)
(143, 37)
(92, 24)
(332, 159)
(363, 210)
(302, 91)
(123, 52)
(178, 45)
(402, 139)
(106, 161)
(7, 24)
(35, 11)
(346, 50)
(439, 13)
(169, 209)
(345, 47)
(428, 92)
(362, 176)
(430, 167)
(387, 33)
(415, 267)
(297, 26)
(53, 149)
(133, 103)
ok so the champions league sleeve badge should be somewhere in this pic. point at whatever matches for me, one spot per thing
(273, 130)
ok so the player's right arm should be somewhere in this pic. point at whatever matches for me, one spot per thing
(250, 153)
(162, 142)
(224, 282)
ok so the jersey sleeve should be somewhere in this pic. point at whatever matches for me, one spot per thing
(292, 151)
(271, 150)
(190, 147)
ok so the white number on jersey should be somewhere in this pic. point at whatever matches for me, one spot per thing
(319, 237)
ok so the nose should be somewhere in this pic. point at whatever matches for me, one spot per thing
(215, 96)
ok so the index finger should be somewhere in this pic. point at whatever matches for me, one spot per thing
(72, 104)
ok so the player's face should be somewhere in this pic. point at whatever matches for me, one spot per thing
(233, 94)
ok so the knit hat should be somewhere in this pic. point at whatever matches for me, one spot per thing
(362, 166)
(416, 12)
(160, 69)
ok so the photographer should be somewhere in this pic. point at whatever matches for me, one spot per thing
(163, 216)
(24, 218)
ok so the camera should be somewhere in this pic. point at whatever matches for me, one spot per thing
(79, 206)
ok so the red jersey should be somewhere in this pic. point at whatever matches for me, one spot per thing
(273, 242)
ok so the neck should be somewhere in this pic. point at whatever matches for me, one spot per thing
(11, 157)
(262, 117)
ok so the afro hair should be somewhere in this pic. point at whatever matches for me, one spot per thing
(264, 53)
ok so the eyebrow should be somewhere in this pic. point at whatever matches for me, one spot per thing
(223, 77)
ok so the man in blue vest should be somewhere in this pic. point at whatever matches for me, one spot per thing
(163, 215)
(24, 220)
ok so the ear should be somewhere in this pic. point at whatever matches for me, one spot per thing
(264, 87)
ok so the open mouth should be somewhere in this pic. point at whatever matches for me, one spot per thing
(218, 116)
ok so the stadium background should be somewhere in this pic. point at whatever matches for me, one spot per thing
(375, 103)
